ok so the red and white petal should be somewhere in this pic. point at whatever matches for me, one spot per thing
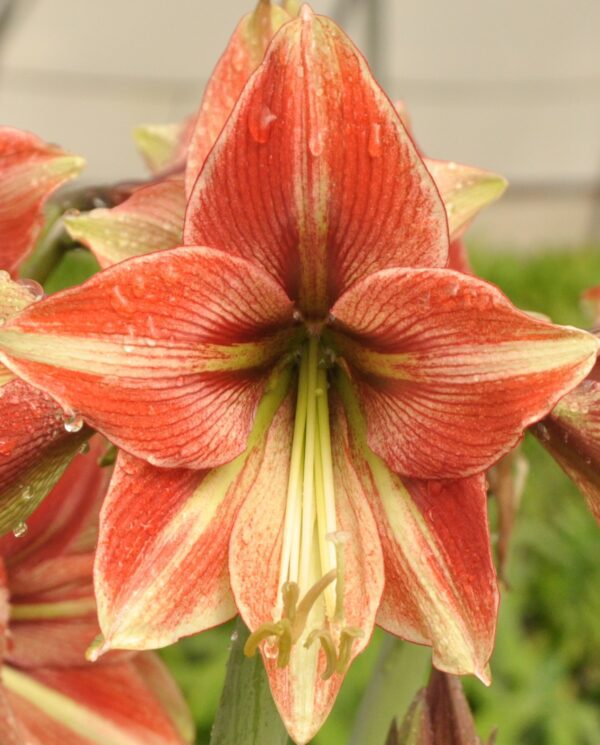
(161, 564)
(458, 258)
(440, 582)
(314, 176)
(35, 449)
(166, 354)
(150, 220)
(465, 191)
(30, 170)
(241, 57)
(571, 434)
(164, 146)
(114, 704)
(448, 372)
(441, 585)
(61, 524)
(303, 698)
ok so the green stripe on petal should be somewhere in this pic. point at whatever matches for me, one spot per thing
(150, 220)
(465, 191)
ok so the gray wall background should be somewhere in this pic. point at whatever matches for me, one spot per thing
(505, 84)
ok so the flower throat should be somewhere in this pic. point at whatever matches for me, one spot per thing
(311, 606)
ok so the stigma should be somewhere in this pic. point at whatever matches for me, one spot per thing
(310, 608)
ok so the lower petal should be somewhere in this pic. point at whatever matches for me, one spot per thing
(116, 704)
(161, 565)
(440, 582)
(303, 697)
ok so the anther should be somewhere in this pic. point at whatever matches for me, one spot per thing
(328, 647)
(347, 637)
(262, 632)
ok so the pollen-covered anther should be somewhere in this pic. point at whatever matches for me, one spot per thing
(288, 630)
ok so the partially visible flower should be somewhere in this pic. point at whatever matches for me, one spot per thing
(37, 439)
(439, 715)
(30, 170)
(571, 434)
(304, 395)
(48, 692)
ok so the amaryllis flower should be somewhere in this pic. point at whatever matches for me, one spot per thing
(30, 170)
(304, 396)
(48, 692)
(152, 218)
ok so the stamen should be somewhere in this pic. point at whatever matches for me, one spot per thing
(262, 632)
(328, 647)
(339, 539)
(307, 602)
(290, 593)
(347, 637)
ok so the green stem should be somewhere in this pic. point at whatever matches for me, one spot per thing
(51, 245)
(246, 713)
(401, 670)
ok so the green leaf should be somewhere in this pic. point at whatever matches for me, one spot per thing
(246, 713)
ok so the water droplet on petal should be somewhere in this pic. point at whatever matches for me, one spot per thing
(119, 302)
(316, 143)
(269, 647)
(260, 123)
(139, 285)
(374, 145)
(27, 494)
(72, 422)
(20, 530)
(7, 445)
(34, 288)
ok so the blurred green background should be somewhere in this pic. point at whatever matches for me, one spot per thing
(546, 666)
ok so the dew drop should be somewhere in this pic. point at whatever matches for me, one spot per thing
(316, 143)
(269, 648)
(34, 288)
(7, 445)
(234, 636)
(374, 144)
(119, 302)
(20, 530)
(542, 431)
(297, 316)
(27, 494)
(139, 285)
(260, 124)
(72, 422)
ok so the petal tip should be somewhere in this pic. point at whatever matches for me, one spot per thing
(97, 648)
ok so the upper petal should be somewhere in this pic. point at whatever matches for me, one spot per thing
(30, 170)
(166, 354)
(448, 371)
(314, 175)
(241, 57)
(149, 220)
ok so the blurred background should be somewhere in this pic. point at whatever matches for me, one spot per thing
(510, 86)
(513, 86)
